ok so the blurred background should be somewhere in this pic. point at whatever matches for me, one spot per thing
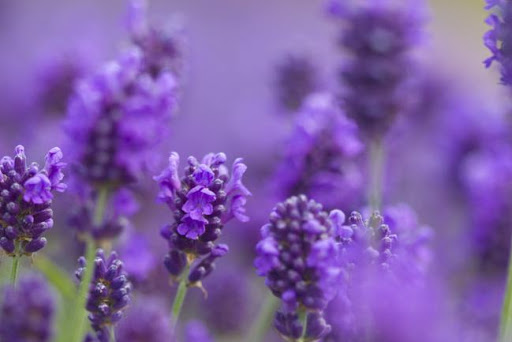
(230, 103)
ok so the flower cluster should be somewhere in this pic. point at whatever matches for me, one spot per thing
(116, 118)
(298, 255)
(109, 293)
(379, 35)
(499, 38)
(163, 48)
(320, 159)
(203, 200)
(26, 193)
(27, 311)
(296, 79)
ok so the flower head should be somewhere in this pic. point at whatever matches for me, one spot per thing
(379, 36)
(109, 292)
(499, 38)
(202, 201)
(27, 311)
(146, 321)
(26, 194)
(320, 159)
(116, 118)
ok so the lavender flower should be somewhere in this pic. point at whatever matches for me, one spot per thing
(296, 79)
(116, 118)
(379, 36)
(27, 311)
(321, 155)
(109, 292)
(145, 322)
(298, 256)
(203, 200)
(26, 194)
(163, 48)
(499, 38)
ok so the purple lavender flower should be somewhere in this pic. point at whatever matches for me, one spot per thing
(145, 322)
(27, 311)
(499, 38)
(195, 331)
(116, 118)
(298, 255)
(139, 259)
(321, 155)
(109, 292)
(163, 47)
(26, 194)
(379, 37)
(296, 79)
(203, 200)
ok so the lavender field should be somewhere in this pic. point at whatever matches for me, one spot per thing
(256, 171)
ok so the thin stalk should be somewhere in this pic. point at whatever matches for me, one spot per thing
(303, 317)
(112, 334)
(179, 299)
(376, 163)
(261, 325)
(79, 314)
(506, 313)
(15, 264)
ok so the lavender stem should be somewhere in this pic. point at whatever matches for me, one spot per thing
(15, 265)
(506, 313)
(261, 325)
(376, 162)
(179, 299)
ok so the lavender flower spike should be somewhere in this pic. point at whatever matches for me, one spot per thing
(109, 293)
(116, 118)
(298, 255)
(379, 35)
(499, 38)
(26, 194)
(202, 201)
(27, 311)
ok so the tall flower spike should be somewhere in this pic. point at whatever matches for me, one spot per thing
(109, 293)
(320, 158)
(163, 47)
(296, 79)
(298, 255)
(202, 201)
(499, 38)
(116, 118)
(379, 36)
(26, 194)
(27, 311)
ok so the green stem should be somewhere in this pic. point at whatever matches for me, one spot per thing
(177, 305)
(376, 162)
(79, 313)
(112, 334)
(101, 205)
(15, 265)
(506, 313)
(303, 318)
(261, 325)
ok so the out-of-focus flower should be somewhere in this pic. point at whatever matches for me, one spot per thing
(195, 331)
(146, 321)
(205, 198)
(296, 79)
(320, 159)
(26, 194)
(163, 47)
(379, 36)
(116, 118)
(139, 260)
(499, 38)
(27, 311)
(298, 255)
(109, 292)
